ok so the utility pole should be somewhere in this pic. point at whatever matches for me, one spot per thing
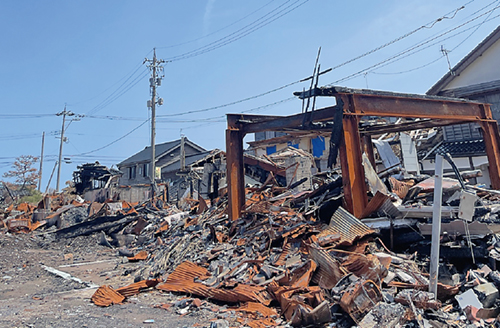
(41, 164)
(183, 155)
(155, 66)
(64, 113)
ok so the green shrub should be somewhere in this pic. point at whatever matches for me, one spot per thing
(34, 198)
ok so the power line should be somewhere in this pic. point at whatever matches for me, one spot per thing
(440, 57)
(487, 17)
(432, 23)
(408, 70)
(24, 136)
(215, 32)
(118, 93)
(127, 76)
(217, 119)
(220, 43)
(113, 142)
(428, 46)
(419, 50)
(113, 118)
(23, 116)
(410, 49)
(231, 103)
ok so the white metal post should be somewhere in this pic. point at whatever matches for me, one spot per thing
(436, 225)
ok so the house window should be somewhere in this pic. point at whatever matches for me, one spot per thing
(145, 169)
(140, 170)
(132, 172)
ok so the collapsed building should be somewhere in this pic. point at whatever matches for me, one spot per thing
(280, 239)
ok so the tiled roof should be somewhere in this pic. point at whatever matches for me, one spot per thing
(160, 149)
(462, 148)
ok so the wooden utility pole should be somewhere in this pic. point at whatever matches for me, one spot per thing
(50, 179)
(64, 113)
(154, 81)
(183, 154)
(41, 163)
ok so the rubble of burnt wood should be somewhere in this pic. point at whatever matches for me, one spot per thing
(281, 264)
(298, 257)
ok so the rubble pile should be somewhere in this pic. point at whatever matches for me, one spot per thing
(296, 258)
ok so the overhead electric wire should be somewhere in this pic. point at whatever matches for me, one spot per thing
(432, 23)
(210, 121)
(221, 29)
(23, 116)
(231, 103)
(412, 53)
(487, 17)
(442, 56)
(217, 119)
(118, 93)
(25, 136)
(114, 118)
(113, 142)
(408, 70)
(410, 49)
(218, 43)
(129, 76)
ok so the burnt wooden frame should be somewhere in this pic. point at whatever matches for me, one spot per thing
(433, 111)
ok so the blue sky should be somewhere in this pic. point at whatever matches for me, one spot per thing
(89, 54)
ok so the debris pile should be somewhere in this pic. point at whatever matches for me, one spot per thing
(298, 257)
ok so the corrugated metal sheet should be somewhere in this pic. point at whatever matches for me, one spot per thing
(348, 226)
(182, 280)
(137, 287)
(105, 296)
(329, 271)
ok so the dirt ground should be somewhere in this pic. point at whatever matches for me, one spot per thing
(30, 296)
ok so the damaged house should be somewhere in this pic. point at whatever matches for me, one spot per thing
(475, 77)
(168, 161)
(269, 142)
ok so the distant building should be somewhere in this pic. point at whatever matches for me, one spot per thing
(136, 169)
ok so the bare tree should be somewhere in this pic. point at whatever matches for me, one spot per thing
(25, 175)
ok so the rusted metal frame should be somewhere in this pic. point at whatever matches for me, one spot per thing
(353, 174)
(491, 139)
(235, 169)
(293, 121)
(250, 118)
(371, 105)
(367, 146)
(409, 126)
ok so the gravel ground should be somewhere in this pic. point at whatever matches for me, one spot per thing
(32, 297)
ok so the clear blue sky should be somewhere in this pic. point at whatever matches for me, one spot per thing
(88, 55)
